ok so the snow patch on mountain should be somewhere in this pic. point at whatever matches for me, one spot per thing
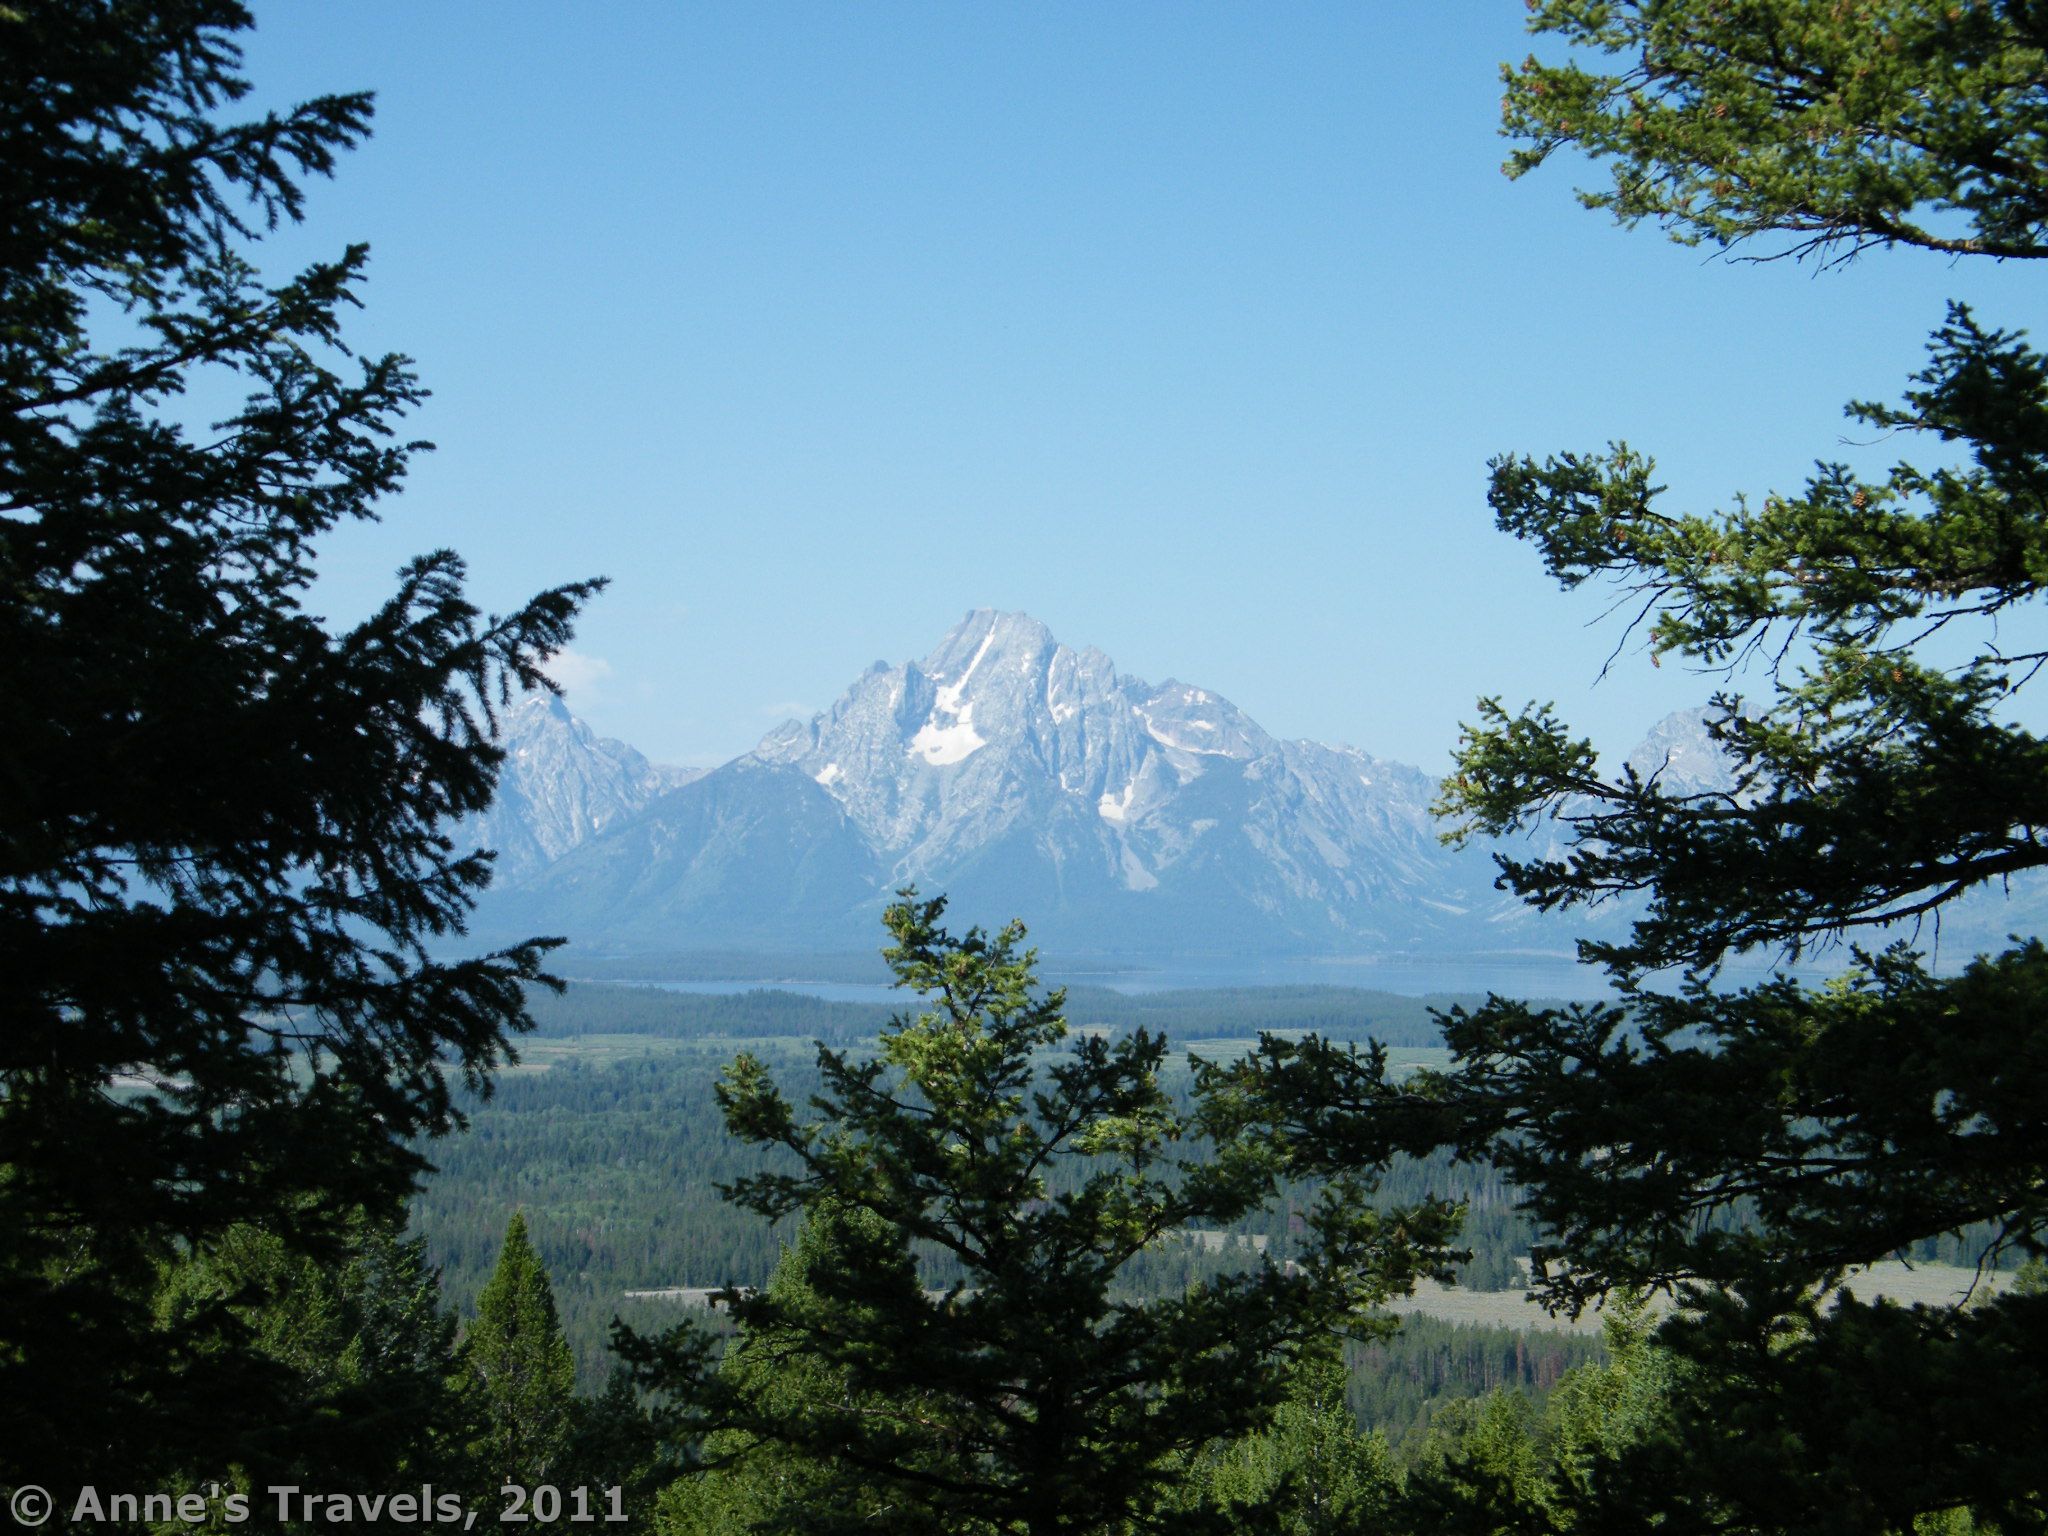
(1024, 777)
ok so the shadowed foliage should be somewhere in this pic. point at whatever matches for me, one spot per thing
(224, 847)
(1749, 1148)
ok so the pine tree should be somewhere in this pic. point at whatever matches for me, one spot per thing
(1750, 1147)
(1012, 1388)
(1312, 1473)
(521, 1371)
(225, 847)
(360, 1347)
(748, 1484)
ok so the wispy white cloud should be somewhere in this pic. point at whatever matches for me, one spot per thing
(788, 709)
(576, 673)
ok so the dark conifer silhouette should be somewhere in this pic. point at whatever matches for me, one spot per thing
(224, 827)
(1750, 1147)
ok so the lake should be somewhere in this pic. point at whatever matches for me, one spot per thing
(1544, 976)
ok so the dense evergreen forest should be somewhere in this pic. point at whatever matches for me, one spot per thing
(609, 1139)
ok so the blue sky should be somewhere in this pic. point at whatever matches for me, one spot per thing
(1187, 328)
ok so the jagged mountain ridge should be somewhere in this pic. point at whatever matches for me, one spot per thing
(1024, 777)
(561, 785)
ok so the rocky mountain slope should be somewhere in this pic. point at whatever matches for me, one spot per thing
(1023, 778)
(561, 785)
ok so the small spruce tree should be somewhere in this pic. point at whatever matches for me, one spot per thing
(519, 1365)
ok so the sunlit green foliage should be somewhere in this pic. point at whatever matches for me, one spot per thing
(1025, 1394)
(745, 1483)
(358, 1348)
(519, 1368)
(1502, 1462)
(1312, 1473)
(1837, 124)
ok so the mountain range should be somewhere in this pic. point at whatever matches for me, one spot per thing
(1022, 778)
(561, 785)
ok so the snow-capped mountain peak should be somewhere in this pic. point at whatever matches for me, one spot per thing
(1004, 748)
(1682, 755)
(1023, 778)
